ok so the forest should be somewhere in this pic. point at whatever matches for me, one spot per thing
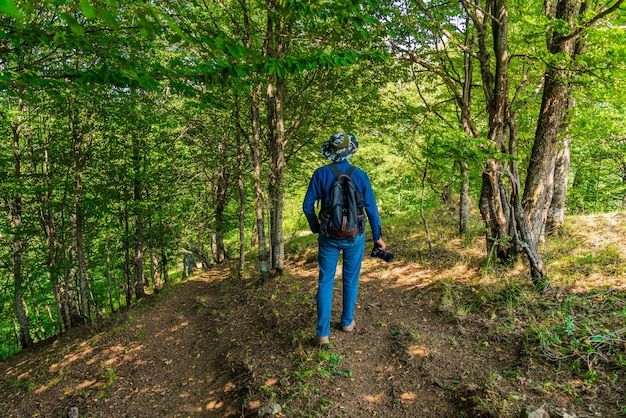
(143, 141)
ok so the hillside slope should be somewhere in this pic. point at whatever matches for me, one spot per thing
(440, 339)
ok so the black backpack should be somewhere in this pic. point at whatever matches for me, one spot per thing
(341, 215)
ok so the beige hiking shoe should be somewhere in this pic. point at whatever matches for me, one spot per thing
(349, 328)
(321, 340)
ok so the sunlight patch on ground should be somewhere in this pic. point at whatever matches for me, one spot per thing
(413, 275)
(374, 398)
(590, 253)
(179, 326)
(408, 398)
(597, 281)
(594, 228)
(84, 351)
(24, 376)
(85, 384)
(229, 386)
(383, 369)
(419, 351)
(410, 275)
(43, 388)
(194, 409)
(460, 273)
(254, 404)
(212, 405)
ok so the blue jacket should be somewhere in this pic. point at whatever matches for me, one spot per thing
(320, 185)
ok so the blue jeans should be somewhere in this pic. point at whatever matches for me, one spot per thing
(327, 259)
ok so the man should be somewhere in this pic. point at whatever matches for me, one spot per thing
(339, 148)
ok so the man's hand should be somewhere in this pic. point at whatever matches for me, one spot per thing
(380, 244)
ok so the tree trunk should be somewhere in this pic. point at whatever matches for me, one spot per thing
(255, 120)
(75, 276)
(242, 191)
(556, 213)
(81, 143)
(107, 273)
(494, 206)
(139, 221)
(272, 175)
(463, 198)
(52, 241)
(15, 219)
(68, 297)
(221, 196)
(126, 244)
(540, 176)
(82, 264)
(505, 220)
(466, 124)
(255, 95)
(278, 239)
(277, 44)
(496, 212)
(154, 268)
(164, 267)
(189, 264)
(540, 172)
(154, 260)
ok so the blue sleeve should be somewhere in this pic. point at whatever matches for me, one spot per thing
(371, 208)
(313, 193)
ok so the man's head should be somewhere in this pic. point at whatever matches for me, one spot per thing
(339, 147)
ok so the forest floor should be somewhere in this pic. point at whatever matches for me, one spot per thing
(438, 335)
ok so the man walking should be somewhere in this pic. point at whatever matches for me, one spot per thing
(339, 148)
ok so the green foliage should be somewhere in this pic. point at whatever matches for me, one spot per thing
(127, 118)
(582, 331)
(9, 7)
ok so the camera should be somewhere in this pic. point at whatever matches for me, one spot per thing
(383, 255)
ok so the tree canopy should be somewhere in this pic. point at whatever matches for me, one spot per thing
(141, 139)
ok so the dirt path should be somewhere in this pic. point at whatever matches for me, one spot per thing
(158, 360)
(217, 347)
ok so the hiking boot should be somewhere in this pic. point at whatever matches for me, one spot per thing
(321, 340)
(349, 328)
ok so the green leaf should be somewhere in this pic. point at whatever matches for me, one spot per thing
(73, 24)
(108, 17)
(9, 8)
(88, 9)
(172, 25)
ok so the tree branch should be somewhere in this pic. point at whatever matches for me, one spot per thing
(586, 25)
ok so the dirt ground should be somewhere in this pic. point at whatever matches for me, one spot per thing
(216, 346)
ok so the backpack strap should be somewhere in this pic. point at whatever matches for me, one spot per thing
(337, 172)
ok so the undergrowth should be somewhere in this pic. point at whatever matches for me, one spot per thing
(577, 325)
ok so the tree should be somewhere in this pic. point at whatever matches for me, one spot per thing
(14, 204)
(512, 223)
(565, 42)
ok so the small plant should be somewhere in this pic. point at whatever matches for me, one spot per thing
(326, 364)
(462, 311)
(493, 378)
(201, 303)
(512, 374)
(18, 383)
(448, 299)
(109, 374)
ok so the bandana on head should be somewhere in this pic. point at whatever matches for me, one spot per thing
(339, 147)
